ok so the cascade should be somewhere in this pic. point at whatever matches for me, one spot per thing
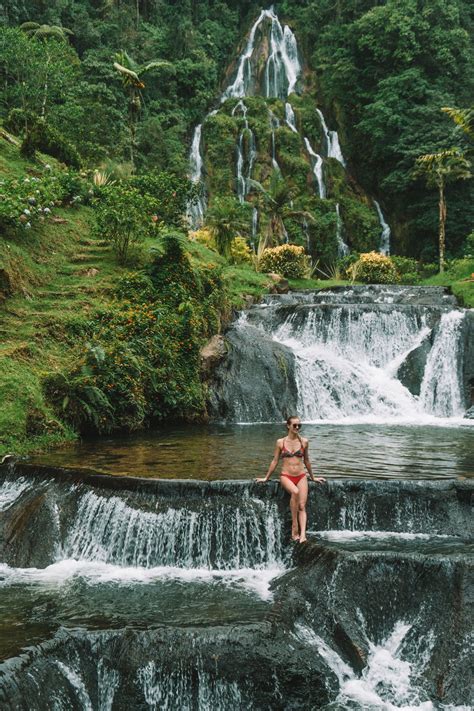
(332, 141)
(274, 123)
(254, 226)
(244, 163)
(365, 352)
(317, 162)
(342, 247)
(290, 117)
(283, 67)
(384, 247)
(196, 209)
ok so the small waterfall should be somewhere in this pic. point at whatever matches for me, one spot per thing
(342, 247)
(246, 144)
(223, 537)
(194, 688)
(317, 162)
(254, 227)
(11, 490)
(274, 123)
(332, 141)
(243, 83)
(388, 681)
(440, 390)
(78, 685)
(196, 209)
(290, 117)
(384, 247)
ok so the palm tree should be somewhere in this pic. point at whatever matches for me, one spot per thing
(464, 118)
(278, 201)
(439, 169)
(131, 73)
(227, 218)
(45, 33)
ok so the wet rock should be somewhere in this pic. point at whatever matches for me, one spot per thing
(212, 354)
(411, 371)
(468, 357)
(266, 391)
(469, 414)
(27, 533)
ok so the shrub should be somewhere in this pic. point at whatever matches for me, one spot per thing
(374, 268)
(40, 136)
(204, 237)
(288, 260)
(124, 217)
(170, 193)
(407, 268)
(240, 252)
(469, 245)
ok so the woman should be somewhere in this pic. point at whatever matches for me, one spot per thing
(293, 450)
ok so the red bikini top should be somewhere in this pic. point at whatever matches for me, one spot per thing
(287, 453)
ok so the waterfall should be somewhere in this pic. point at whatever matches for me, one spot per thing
(244, 165)
(440, 390)
(283, 67)
(384, 247)
(388, 681)
(342, 247)
(317, 162)
(350, 358)
(193, 688)
(274, 123)
(197, 208)
(290, 117)
(254, 227)
(221, 538)
(332, 141)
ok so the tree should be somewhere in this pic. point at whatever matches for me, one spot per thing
(279, 202)
(46, 34)
(439, 169)
(131, 73)
(227, 218)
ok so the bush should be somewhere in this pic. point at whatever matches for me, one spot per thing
(169, 192)
(39, 136)
(288, 260)
(124, 217)
(203, 237)
(469, 245)
(374, 268)
(240, 252)
(407, 268)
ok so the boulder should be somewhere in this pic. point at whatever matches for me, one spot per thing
(411, 371)
(279, 285)
(212, 354)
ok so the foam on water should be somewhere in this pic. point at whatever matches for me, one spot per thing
(255, 580)
(388, 682)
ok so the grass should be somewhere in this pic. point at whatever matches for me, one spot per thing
(459, 277)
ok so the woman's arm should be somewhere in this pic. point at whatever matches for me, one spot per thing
(307, 464)
(273, 463)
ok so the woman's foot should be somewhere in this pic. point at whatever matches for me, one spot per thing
(295, 536)
(303, 539)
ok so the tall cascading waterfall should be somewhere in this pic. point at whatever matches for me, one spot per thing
(274, 123)
(246, 153)
(365, 352)
(283, 67)
(317, 163)
(332, 140)
(384, 247)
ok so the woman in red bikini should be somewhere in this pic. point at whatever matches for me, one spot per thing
(293, 476)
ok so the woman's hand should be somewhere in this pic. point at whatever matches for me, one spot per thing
(261, 480)
(318, 479)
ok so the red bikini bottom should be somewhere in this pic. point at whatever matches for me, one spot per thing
(294, 479)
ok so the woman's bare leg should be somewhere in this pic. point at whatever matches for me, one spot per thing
(292, 489)
(302, 487)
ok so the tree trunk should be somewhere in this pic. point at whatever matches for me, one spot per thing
(442, 226)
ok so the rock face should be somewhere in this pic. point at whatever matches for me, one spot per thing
(255, 382)
(212, 354)
(468, 357)
(411, 371)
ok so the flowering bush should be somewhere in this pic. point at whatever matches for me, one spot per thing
(240, 252)
(203, 237)
(374, 268)
(288, 260)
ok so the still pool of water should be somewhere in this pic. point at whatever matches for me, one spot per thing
(210, 452)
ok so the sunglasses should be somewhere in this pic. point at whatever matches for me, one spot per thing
(297, 426)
